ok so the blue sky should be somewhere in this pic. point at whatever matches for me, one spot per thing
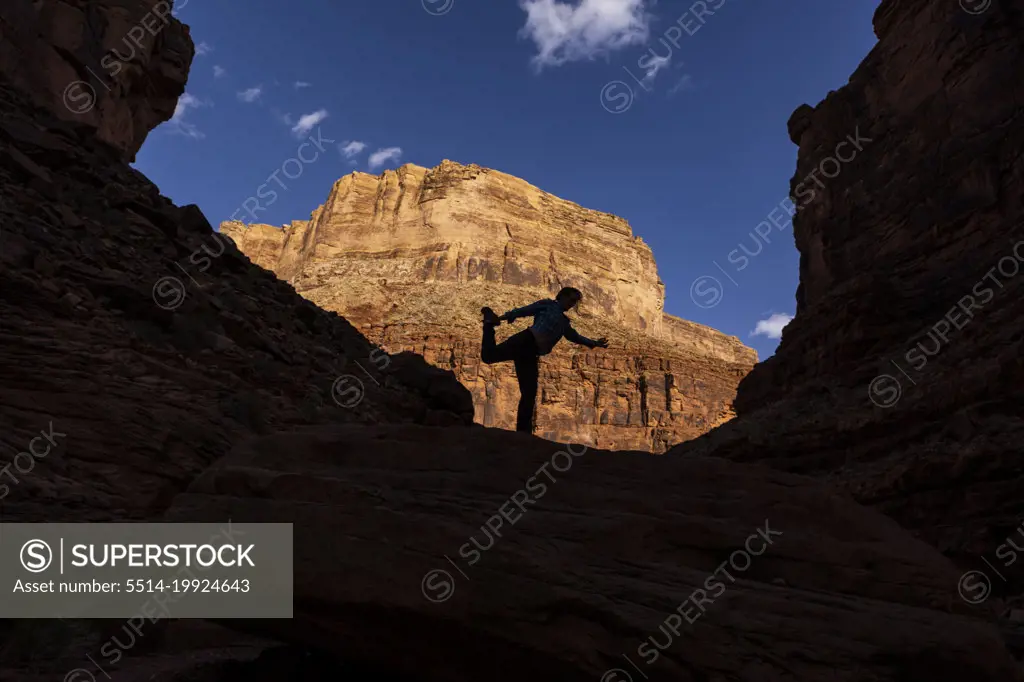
(681, 131)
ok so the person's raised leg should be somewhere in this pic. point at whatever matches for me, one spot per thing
(488, 349)
(508, 349)
(528, 374)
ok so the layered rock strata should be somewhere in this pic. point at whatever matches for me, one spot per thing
(902, 377)
(411, 256)
(137, 345)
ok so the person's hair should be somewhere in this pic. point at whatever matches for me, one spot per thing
(570, 291)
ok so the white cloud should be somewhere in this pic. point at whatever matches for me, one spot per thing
(184, 103)
(684, 83)
(177, 122)
(308, 122)
(579, 30)
(655, 65)
(301, 84)
(251, 95)
(382, 156)
(218, 71)
(350, 149)
(203, 48)
(772, 327)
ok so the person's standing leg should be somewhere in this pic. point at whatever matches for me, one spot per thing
(528, 374)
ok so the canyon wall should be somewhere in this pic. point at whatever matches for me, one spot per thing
(113, 68)
(139, 374)
(145, 381)
(411, 256)
(902, 377)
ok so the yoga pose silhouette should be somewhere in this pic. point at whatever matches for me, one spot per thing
(525, 348)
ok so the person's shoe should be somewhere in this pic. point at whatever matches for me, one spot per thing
(490, 317)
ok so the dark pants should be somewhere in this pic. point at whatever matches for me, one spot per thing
(521, 349)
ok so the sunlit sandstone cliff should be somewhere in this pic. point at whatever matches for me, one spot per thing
(411, 255)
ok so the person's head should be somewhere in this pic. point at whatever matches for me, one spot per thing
(569, 297)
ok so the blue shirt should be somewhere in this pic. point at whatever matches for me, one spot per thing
(549, 325)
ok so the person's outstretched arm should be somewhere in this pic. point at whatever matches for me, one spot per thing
(576, 337)
(525, 311)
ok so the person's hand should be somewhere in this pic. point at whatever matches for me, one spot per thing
(601, 343)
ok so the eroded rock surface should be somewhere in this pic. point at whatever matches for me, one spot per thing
(116, 68)
(902, 377)
(411, 256)
(565, 562)
(137, 345)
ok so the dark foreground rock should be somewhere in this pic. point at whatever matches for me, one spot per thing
(393, 553)
(114, 68)
(137, 346)
(901, 380)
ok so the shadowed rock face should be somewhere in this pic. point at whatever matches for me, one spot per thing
(411, 256)
(117, 68)
(142, 345)
(565, 561)
(902, 377)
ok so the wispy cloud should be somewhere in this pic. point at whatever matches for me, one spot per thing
(178, 124)
(219, 71)
(383, 156)
(203, 48)
(772, 327)
(685, 83)
(578, 31)
(307, 122)
(251, 95)
(653, 66)
(302, 84)
(351, 149)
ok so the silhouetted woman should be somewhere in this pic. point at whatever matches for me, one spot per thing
(525, 348)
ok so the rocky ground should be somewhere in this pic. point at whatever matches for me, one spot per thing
(590, 567)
